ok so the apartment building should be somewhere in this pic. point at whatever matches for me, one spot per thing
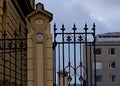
(108, 59)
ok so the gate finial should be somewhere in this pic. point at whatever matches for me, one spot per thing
(74, 27)
(15, 33)
(63, 28)
(85, 27)
(93, 27)
(55, 27)
(4, 33)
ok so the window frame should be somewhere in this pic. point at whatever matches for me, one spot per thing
(100, 78)
(99, 68)
(111, 51)
(112, 78)
(110, 65)
(98, 51)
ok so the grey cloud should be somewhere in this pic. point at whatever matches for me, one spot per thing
(79, 11)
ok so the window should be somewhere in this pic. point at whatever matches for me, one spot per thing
(98, 51)
(112, 65)
(98, 78)
(98, 65)
(112, 78)
(111, 51)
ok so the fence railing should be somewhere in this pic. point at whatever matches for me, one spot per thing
(13, 60)
(70, 56)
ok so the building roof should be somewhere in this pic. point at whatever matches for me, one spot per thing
(112, 34)
(40, 9)
(113, 37)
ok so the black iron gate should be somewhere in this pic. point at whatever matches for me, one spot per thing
(13, 59)
(70, 54)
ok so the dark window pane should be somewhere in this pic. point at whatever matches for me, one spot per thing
(111, 51)
(112, 65)
(98, 51)
(112, 78)
(99, 78)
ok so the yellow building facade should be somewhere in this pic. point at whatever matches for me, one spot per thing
(40, 70)
(32, 66)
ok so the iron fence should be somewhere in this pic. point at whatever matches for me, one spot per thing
(13, 60)
(70, 56)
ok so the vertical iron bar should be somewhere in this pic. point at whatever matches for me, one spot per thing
(91, 65)
(54, 56)
(10, 47)
(63, 52)
(94, 47)
(54, 67)
(21, 61)
(74, 29)
(26, 32)
(80, 63)
(59, 63)
(86, 54)
(69, 64)
(15, 34)
(4, 55)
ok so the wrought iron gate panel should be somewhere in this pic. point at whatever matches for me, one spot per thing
(13, 60)
(70, 50)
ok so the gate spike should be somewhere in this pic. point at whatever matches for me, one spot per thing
(85, 27)
(55, 27)
(93, 27)
(74, 27)
(15, 33)
(4, 34)
(62, 27)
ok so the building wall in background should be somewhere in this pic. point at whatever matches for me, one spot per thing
(107, 59)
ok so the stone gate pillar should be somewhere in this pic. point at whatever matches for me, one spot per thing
(40, 70)
(60, 78)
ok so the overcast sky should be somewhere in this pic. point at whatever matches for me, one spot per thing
(105, 13)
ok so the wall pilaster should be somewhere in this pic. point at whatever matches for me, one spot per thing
(40, 68)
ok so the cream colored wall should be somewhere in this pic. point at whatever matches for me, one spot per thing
(15, 21)
(60, 80)
(30, 62)
(40, 70)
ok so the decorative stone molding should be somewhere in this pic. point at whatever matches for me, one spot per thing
(38, 24)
